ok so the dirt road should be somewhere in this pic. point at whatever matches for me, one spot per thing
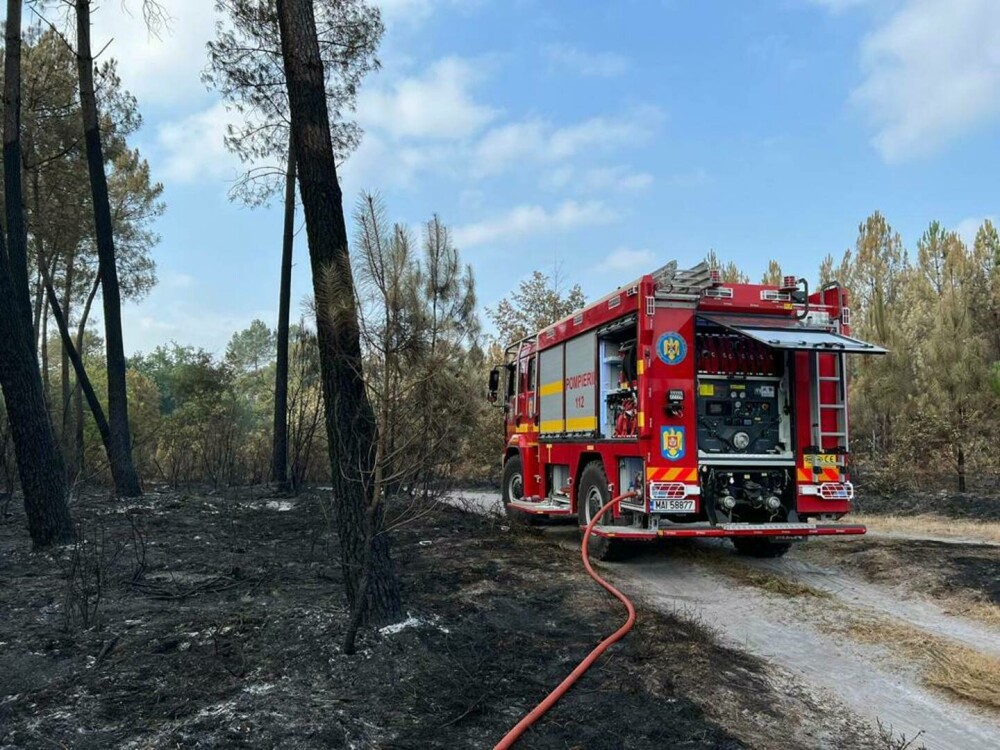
(798, 634)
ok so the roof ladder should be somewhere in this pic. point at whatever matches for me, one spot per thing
(685, 285)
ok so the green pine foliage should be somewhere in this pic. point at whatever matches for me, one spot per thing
(925, 414)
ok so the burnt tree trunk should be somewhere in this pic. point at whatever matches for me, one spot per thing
(46, 384)
(120, 454)
(77, 394)
(66, 434)
(279, 453)
(17, 234)
(39, 462)
(961, 469)
(350, 422)
(82, 379)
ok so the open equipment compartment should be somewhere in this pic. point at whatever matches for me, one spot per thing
(743, 399)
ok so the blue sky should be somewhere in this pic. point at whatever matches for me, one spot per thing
(604, 137)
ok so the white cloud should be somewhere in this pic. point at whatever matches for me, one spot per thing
(437, 104)
(533, 219)
(968, 228)
(694, 178)
(156, 321)
(161, 71)
(382, 163)
(932, 74)
(193, 148)
(618, 179)
(839, 6)
(596, 64)
(539, 141)
(416, 11)
(625, 259)
(176, 280)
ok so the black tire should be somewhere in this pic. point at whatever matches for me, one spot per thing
(591, 495)
(512, 488)
(756, 547)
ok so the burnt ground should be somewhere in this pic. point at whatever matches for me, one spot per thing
(941, 569)
(975, 506)
(225, 632)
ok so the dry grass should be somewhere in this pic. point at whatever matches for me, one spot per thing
(962, 671)
(986, 612)
(932, 525)
(912, 566)
(762, 579)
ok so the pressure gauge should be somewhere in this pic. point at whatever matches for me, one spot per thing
(741, 440)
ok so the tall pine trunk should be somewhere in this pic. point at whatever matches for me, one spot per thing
(279, 454)
(350, 421)
(122, 469)
(66, 434)
(71, 354)
(39, 462)
(81, 341)
(46, 382)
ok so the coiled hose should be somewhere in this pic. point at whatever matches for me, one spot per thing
(550, 700)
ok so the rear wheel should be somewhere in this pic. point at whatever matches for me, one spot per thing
(512, 484)
(591, 495)
(757, 547)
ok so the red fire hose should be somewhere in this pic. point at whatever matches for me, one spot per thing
(550, 700)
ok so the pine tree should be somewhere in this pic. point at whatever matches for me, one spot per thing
(369, 574)
(952, 363)
(773, 276)
(39, 461)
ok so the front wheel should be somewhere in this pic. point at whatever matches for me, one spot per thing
(512, 488)
(757, 547)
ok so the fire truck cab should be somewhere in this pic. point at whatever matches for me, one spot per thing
(719, 409)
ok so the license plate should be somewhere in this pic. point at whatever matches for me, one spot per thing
(673, 506)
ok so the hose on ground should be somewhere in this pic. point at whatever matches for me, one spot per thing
(550, 700)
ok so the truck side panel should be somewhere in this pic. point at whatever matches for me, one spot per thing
(552, 413)
(581, 384)
(674, 452)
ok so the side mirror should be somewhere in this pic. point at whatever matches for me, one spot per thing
(494, 384)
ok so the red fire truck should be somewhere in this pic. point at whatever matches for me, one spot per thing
(722, 407)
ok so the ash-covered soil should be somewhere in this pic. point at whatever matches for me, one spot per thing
(226, 632)
(979, 506)
(935, 567)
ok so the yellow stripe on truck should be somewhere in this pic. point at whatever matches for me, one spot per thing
(550, 389)
(552, 425)
(581, 424)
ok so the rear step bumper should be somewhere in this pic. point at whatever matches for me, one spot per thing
(731, 530)
(695, 529)
(541, 507)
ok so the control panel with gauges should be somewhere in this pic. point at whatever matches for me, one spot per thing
(739, 415)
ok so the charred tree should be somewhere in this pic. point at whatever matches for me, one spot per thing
(17, 233)
(39, 462)
(78, 437)
(120, 454)
(279, 454)
(350, 420)
(73, 357)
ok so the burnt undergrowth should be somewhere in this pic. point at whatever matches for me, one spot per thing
(975, 506)
(220, 618)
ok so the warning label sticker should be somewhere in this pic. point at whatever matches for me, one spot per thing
(822, 459)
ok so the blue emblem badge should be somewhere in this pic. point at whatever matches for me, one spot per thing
(671, 348)
(672, 445)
